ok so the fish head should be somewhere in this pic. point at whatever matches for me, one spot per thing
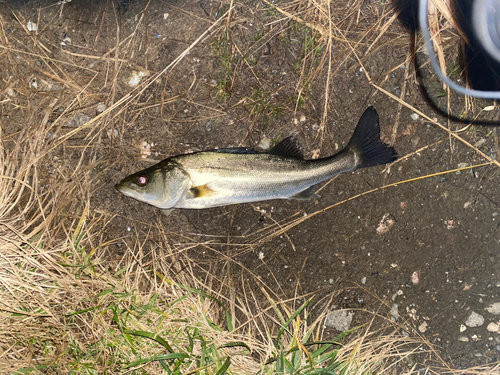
(161, 185)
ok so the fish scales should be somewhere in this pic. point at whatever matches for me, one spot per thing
(231, 176)
(249, 178)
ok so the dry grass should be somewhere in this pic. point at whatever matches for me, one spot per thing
(67, 303)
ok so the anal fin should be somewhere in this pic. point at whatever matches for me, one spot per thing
(167, 212)
(309, 193)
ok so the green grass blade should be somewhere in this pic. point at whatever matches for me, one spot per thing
(229, 322)
(152, 336)
(294, 315)
(235, 344)
(157, 358)
(224, 367)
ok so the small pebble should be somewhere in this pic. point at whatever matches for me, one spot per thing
(450, 224)
(474, 320)
(394, 75)
(394, 312)
(422, 327)
(31, 26)
(77, 120)
(414, 116)
(363, 280)
(493, 327)
(136, 78)
(415, 278)
(462, 165)
(100, 107)
(385, 225)
(209, 125)
(463, 339)
(494, 308)
(481, 142)
(264, 144)
(462, 328)
(331, 281)
(339, 320)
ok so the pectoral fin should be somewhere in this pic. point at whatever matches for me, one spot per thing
(201, 191)
(309, 193)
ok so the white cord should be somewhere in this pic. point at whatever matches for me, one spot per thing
(424, 28)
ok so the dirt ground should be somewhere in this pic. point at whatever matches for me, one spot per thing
(429, 246)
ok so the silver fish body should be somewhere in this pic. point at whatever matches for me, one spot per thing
(230, 176)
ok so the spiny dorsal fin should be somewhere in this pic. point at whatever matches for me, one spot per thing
(236, 150)
(287, 147)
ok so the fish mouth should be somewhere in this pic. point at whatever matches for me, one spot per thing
(123, 189)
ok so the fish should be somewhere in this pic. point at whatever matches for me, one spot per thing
(242, 175)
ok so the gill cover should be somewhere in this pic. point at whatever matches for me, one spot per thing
(161, 185)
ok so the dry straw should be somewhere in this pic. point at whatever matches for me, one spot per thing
(69, 305)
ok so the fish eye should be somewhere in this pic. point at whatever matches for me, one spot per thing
(142, 180)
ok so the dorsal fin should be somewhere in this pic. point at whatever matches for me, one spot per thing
(237, 150)
(287, 147)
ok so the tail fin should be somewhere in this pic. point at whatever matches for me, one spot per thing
(366, 143)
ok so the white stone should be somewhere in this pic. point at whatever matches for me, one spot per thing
(474, 320)
(264, 143)
(493, 327)
(31, 26)
(395, 312)
(422, 327)
(494, 308)
(339, 320)
(136, 77)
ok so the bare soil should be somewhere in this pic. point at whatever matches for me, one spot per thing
(265, 78)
